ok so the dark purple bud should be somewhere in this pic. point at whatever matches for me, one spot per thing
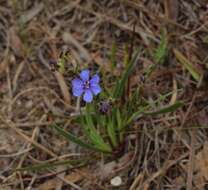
(105, 107)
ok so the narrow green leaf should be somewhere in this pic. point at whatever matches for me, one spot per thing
(73, 138)
(119, 120)
(136, 115)
(167, 109)
(161, 50)
(93, 134)
(98, 141)
(121, 85)
(142, 111)
(126, 55)
(121, 123)
(101, 120)
(43, 166)
(159, 55)
(112, 133)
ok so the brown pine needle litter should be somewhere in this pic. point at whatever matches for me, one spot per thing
(150, 134)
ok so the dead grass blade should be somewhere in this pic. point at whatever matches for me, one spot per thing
(171, 9)
(83, 53)
(30, 14)
(188, 65)
(175, 93)
(73, 177)
(16, 76)
(63, 86)
(190, 170)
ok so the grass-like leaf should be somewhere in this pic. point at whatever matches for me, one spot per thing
(73, 138)
(167, 109)
(93, 135)
(160, 54)
(44, 166)
(98, 141)
(143, 111)
(136, 114)
(162, 50)
(112, 133)
(120, 86)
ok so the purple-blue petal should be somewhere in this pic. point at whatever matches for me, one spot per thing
(88, 96)
(85, 75)
(77, 91)
(77, 83)
(95, 79)
(95, 88)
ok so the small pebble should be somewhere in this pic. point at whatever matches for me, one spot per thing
(116, 181)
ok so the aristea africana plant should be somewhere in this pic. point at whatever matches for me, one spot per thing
(84, 84)
(106, 129)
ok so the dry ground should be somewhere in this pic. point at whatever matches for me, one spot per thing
(166, 152)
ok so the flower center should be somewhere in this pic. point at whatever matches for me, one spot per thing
(87, 84)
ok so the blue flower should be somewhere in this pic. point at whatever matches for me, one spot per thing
(84, 84)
